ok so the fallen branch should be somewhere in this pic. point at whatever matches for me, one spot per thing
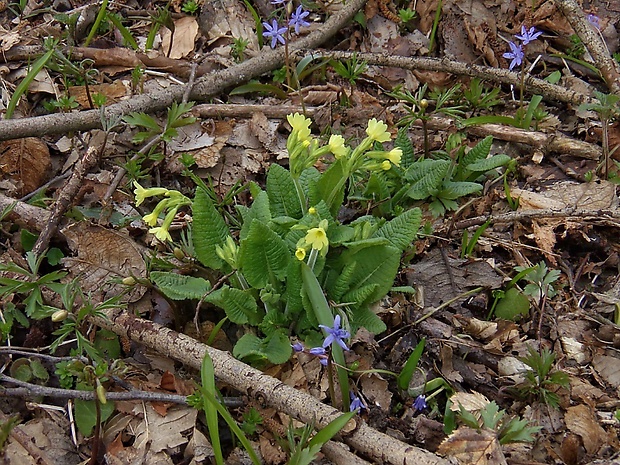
(205, 87)
(532, 85)
(267, 390)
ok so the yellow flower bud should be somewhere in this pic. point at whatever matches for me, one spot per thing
(129, 281)
(312, 211)
(59, 316)
(300, 253)
(178, 253)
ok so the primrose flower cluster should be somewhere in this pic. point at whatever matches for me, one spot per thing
(173, 201)
(516, 53)
(296, 21)
(304, 150)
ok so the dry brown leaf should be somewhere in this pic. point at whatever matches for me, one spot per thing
(185, 32)
(375, 388)
(581, 420)
(608, 368)
(24, 163)
(471, 447)
(103, 255)
(113, 92)
(472, 402)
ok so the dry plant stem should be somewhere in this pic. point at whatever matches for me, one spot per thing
(205, 87)
(34, 390)
(593, 42)
(532, 85)
(39, 456)
(586, 215)
(67, 196)
(265, 389)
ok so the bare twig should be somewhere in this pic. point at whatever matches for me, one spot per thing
(67, 196)
(34, 390)
(270, 391)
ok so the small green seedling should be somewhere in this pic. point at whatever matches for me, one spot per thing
(467, 245)
(541, 381)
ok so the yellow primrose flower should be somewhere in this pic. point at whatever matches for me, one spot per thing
(141, 193)
(300, 125)
(312, 211)
(336, 146)
(317, 237)
(386, 165)
(394, 156)
(161, 233)
(300, 253)
(150, 219)
(377, 131)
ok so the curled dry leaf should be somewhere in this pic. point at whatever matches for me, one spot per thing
(473, 447)
(24, 164)
(102, 256)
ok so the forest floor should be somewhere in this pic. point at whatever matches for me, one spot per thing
(504, 139)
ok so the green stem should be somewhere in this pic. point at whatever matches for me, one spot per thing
(300, 194)
(314, 253)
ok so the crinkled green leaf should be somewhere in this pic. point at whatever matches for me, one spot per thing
(239, 305)
(402, 230)
(403, 142)
(375, 265)
(454, 189)
(258, 211)
(338, 285)
(283, 198)
(426, 177)
(264, 256)
(208, 231)
(276, 347)
(491, 163)
(180, 287)
(363, 316)
(479, 152)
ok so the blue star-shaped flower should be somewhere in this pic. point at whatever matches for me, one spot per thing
(335, 334)
(594, 20)
(419, 403)
(356, 403)
(274, 32)
(516, 55)
(528, 36)
(297, 19)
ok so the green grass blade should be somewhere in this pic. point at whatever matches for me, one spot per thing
(93, 30)
(23, 86)
(410, 366)
(331, 429)
(127, 37)
(207, 376)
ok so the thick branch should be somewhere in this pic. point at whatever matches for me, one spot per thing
(593, 42)
(204, 88)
